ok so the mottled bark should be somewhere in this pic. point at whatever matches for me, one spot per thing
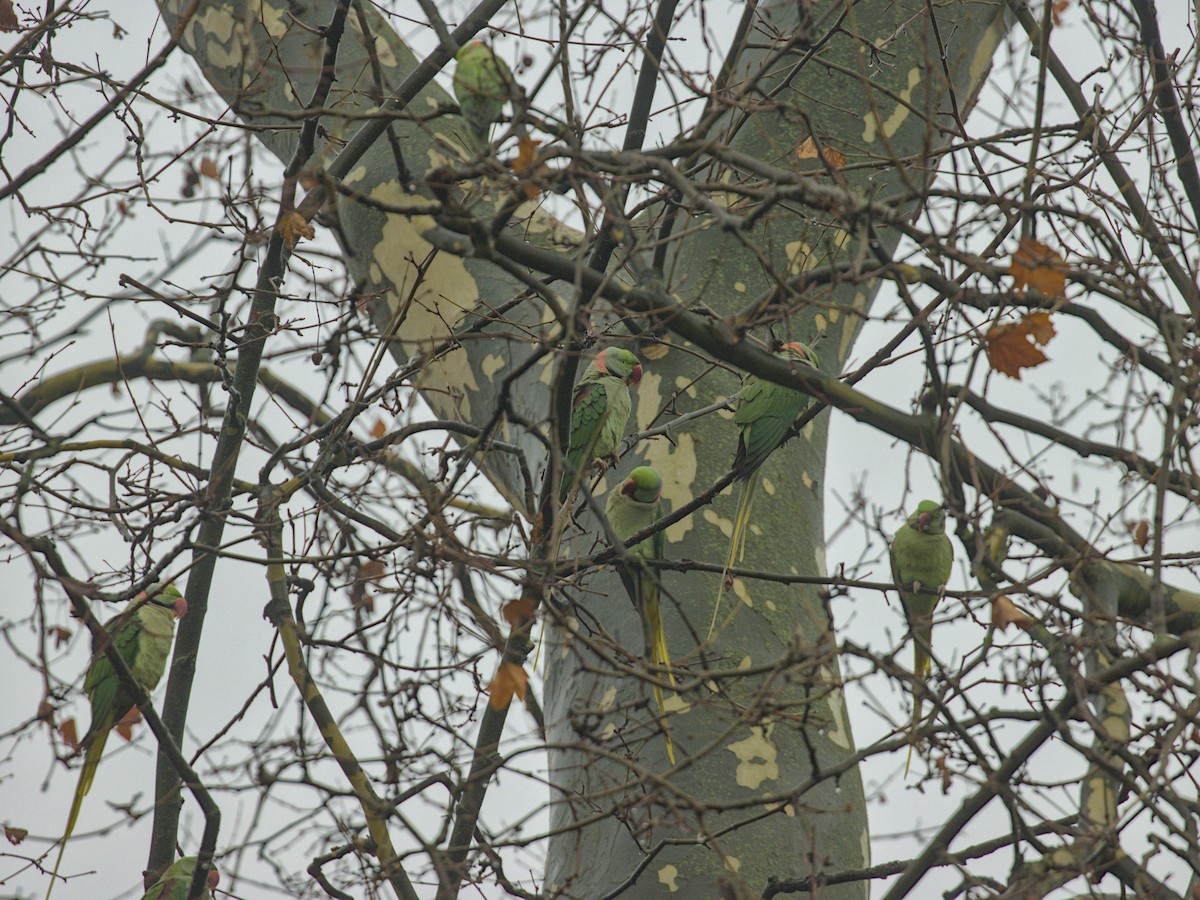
(767, 786)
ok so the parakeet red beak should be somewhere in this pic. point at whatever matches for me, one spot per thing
(635, 376)
(923, 521)
(181, 607)
(213, 878)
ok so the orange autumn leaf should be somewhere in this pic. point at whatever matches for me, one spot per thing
(15, 835)
(292, 227)
(1013, 346)
(378, 429)
(1057, 8)
(1140, 532)
(125, 727)
(1037, 266)
(1005, 613)
(514, 611)
(68, 733)
(526, 166)
(510, 679)
(808, 150)
(208, 168)
(61, 636)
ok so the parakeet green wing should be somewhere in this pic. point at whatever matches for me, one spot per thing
(600, 410)
(764, 415)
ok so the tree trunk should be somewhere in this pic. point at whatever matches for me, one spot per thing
(767, 785)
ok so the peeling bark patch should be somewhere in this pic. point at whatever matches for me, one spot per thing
(756, 758)
(740, 287)
(668, 875)
(733, 864)
(609, 699)
(676, 704)
(819, 556)
(889, 126)
(768, 487)
(726, 525)
(685, 384)
(491, 364)
(800, 257)
(838, 733)
(865, 844)
(678, 465)
(807, 479)
(649, 399)
(739, 591)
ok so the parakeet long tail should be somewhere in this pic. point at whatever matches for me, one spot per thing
(922, 666)
(88, 772)
(656, 644)
(737, 543)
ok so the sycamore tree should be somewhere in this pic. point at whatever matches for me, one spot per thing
(296, 297)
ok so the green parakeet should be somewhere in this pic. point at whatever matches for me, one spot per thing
(142, 633)
(922, 556)
(483, 83)
(174, 883)
(599, 411)
(765, 412)
(637, 504)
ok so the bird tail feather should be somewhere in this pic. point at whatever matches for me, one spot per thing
(737, 546)
(86, 774)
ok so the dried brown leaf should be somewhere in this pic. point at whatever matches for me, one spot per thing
(15, 835)
(510, 679)
(125, 727)
(1005, 613)
(292, 227)
(68, 733)
(61, 635)
(208, 168)
(1013, 346)
(1140, 532)
(1037, 266)
(515, 611)
(8, 17)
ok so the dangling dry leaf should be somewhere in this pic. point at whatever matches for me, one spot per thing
(808, 150)
(8, 17)
(1140, 532)
(1037, 266)
(61, 636)
(510, 679)
(526, 166)
(45, 712)
(1013, 346)
(515, 611)
(15, 835)
(292, 227)
(125, 727)
(208, 168)
(1057, 8)
(1005, 613)
(378, 429)
(68, 733)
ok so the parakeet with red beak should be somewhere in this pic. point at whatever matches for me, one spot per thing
(142, 633)
(637, 504)
(599, 411)
(765, 412)
(922, 557)
(174, 883)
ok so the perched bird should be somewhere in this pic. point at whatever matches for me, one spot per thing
(599, 411)
(765, 412)
(142, 634)
(174, 883)
(483, 83)
(637, 504)
(922, 557)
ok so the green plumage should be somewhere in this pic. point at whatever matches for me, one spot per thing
(174, 883)
(483, 83)
(765, 412)
(636, 505)
(599, 412)
(142, 634)
(922, 556)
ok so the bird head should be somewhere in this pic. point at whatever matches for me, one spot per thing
(929, 517)
(800, 352)
(643, 485)
(168, 597)
(619, 362)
